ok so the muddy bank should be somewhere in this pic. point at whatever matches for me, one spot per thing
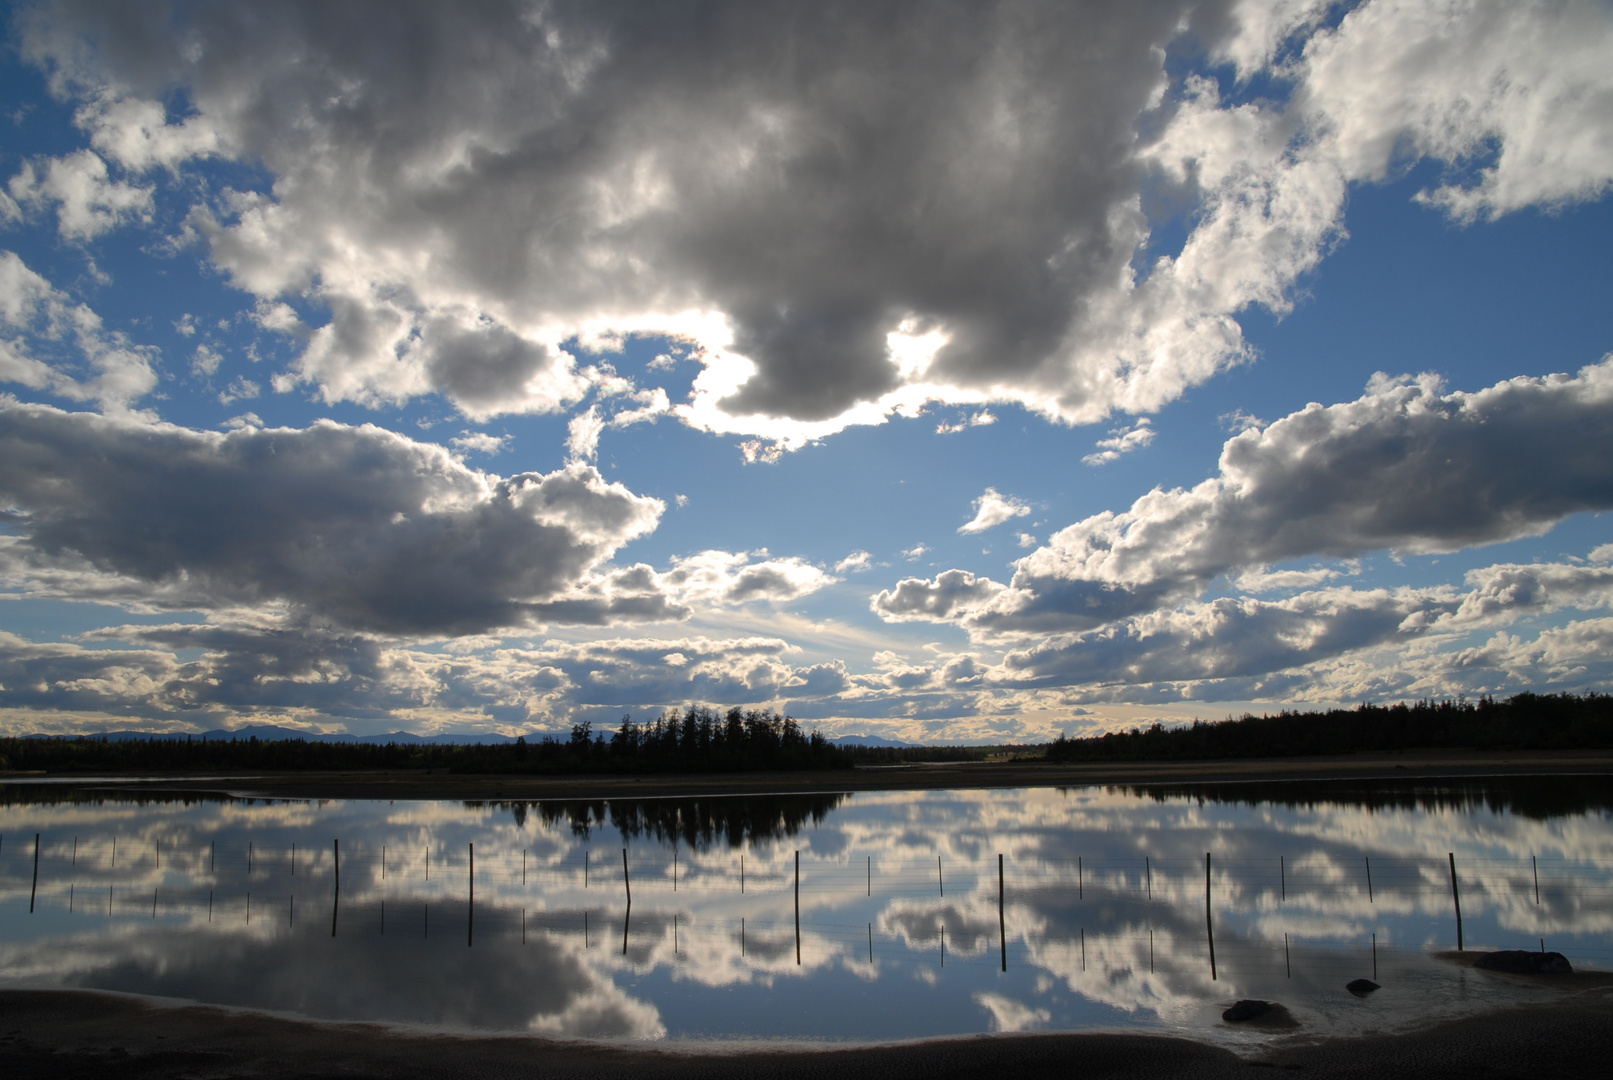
(70, 1034)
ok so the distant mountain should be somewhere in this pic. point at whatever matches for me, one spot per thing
(873, 741)
(275, 733)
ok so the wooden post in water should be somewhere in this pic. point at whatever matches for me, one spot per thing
(1150, 950)
(35, 889)
(70, 889)
(798, 908)
(523, 882)
(1535, 867)
(870, 875)
(470, 908)
(742, 875)
(1080, 874)
(209, 905)
(1456, 899)
(1209, 929)
(870, 943)
(939, 884)
(627, 916)
(674, 881)
(1368, 858)
(1148, 869)
(156, 846)
(1002, 932)
(336, 897)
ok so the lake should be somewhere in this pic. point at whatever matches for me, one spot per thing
(840, 917)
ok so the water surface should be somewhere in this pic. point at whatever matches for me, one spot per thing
(898, 923)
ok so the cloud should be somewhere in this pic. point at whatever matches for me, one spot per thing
(88, 201)
(843, 221)
(856, 562)
(1122, 440)
(1231, 647)
(355, 526)
(1406, 467)
(478, 442)
(584, 429)
(722, 577)
(37, 323)
(993, 509)
(979, 419)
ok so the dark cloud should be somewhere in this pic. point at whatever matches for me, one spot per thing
(356, 527)
(818, 174)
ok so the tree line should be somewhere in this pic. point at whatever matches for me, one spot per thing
(1522, 722)
(696, 739)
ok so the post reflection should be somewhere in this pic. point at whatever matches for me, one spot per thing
(868, 916)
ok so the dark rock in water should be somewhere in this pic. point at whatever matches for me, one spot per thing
(1525, 962)
(1360, 987)
(1247, 1009)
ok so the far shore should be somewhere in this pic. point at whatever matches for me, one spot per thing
(416, 784)
(55, 1033)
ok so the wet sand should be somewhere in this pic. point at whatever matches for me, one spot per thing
(67, 1034)
(414, 784)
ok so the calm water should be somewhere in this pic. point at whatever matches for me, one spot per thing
(373, 911)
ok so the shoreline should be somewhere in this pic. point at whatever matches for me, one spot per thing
(69, 1033)
(410, 784)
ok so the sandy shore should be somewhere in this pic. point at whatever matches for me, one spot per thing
(66, 1034)
(422, 785)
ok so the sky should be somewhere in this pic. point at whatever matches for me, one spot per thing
(946, 372)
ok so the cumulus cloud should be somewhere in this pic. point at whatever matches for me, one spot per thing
(723, 577)
(357, 526)
(1407, 466)
(1246, 647)
(845, 221)
(88, 201)
(301, 674)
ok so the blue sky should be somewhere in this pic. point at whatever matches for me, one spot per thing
(945, 373)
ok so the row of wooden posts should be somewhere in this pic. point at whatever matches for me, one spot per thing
(1002, 934)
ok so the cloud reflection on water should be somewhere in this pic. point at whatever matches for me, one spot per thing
(1103, 920)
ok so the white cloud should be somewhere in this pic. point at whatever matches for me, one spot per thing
(478, 442)
(1122, 440)
(1406, 466)
(722, 577)
(979, 419)
(856, 562)
(88, 201)
(993, 509)
(36, 318)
